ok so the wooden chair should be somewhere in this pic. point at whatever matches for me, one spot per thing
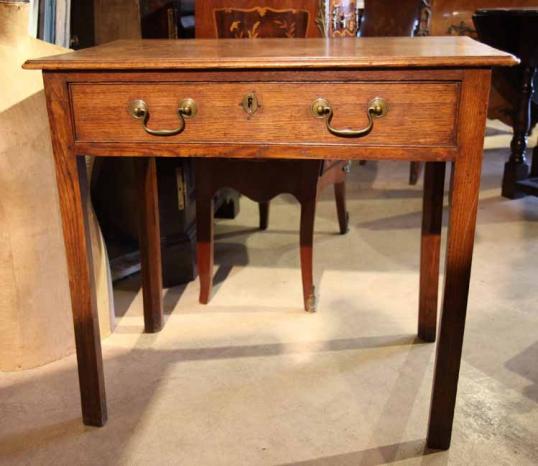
(393, 18)
(263, 180)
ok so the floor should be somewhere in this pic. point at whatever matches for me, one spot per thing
(251, 379)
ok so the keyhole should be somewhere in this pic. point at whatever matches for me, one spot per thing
(250, 104)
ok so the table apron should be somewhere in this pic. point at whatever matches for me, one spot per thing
(421, 123)
(283, 151)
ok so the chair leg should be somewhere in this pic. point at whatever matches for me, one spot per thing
(343, 215)
(414, 172)
(308, 211)
(264, 215)
(204, 246)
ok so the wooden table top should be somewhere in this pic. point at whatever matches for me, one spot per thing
(200, 54)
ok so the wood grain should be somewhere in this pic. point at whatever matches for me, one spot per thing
(465, 185)
(430, 246)
(367, 52)
(284, 116)
(261, 151)
(205, 191)
(208, 11)
(71, 178)
(149, 238)
(437, 115)
(230, 75)
(284, 176)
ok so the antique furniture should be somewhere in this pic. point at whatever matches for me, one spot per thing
(241, 19)
(114, 180)
(181, 99)
(516, 31)
(455, 17)
(378, 19)
(262, 180)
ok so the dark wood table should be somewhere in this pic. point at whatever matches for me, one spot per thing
(416, 99)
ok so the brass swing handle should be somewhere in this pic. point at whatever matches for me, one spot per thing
(377, 108)
(139, 110)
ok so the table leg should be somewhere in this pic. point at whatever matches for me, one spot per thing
(517, 168)
(432, 219)
(149, 238)
(204, 244)
(73, 190)
(461, 230)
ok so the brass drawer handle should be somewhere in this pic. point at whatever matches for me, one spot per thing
(139, 110)
(377, 108)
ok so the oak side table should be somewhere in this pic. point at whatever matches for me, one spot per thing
(418, 99)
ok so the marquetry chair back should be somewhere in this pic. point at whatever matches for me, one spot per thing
(244, 19)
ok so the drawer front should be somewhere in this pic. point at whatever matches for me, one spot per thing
(420, 113)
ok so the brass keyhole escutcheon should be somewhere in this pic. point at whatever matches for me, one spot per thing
(250, 103)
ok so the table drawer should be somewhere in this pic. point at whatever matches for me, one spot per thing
(418, 113)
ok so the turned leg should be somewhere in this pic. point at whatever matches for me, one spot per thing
(264, 215)
(516, 168)
(432, 217)
(308, 212)
(204, 245)
(415, 169)
(461, 230)
(149, 238)
(534, 166)
(343, 216)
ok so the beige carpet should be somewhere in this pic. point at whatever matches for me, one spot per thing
(250, 379)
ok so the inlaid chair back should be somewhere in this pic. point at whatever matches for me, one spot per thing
(250, 19)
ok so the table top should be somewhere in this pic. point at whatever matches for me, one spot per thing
(206, 54)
